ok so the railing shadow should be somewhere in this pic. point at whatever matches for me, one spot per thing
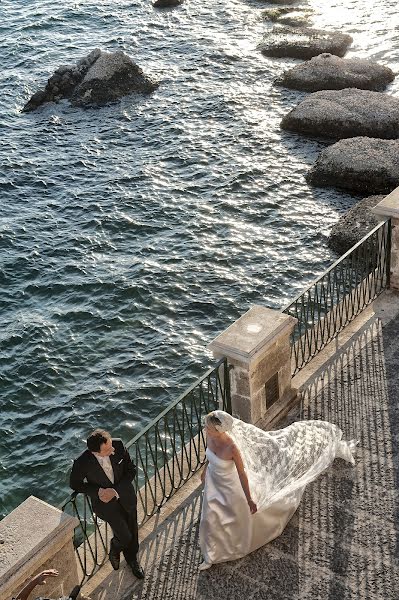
(170, 557)
(348, 520)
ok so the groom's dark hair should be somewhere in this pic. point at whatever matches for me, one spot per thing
(96, 439)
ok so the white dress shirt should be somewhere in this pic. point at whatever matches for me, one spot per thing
(105, 463)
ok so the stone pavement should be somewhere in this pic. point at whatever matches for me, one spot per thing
(343, 542)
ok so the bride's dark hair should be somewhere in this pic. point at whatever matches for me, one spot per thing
(210, 419)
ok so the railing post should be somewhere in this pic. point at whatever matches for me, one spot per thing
(227, 386)
(389, 208)
(257, 348)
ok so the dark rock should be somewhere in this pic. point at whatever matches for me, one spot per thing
(354, 225)
(329, 72)
(303, 42)
(54, 79)
(345, 113)
(111, 77)
(37, 100)
(93, 55)
(361, 164)
(166, 3)
(66, 87)
(63, 69)
(83, 62)
(281, 1)
(97, 79)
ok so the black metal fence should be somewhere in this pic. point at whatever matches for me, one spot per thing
(167, 453)
(339, 295)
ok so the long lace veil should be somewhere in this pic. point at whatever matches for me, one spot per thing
(281, 463)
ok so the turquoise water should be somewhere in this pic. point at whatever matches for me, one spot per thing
(132, 235)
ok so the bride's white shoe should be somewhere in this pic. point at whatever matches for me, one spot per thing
(203, 566)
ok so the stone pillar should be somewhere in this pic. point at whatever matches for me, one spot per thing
(34, 537)
(257, 348)
(389, 207)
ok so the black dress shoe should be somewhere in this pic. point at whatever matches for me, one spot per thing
(114, 558)
(136, 569)
(75, 592)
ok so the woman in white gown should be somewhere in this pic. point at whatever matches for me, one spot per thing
(254, 480)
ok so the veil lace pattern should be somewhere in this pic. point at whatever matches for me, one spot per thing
(280, 463)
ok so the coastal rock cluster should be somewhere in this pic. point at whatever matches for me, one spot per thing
(347, 104)
(97, 79)
(346, 100)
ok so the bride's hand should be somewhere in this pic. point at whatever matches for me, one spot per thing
(252, 507)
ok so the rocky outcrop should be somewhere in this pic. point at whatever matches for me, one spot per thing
(166, 3)
(329, 72)
(361, 164)
(303, 42)
(96, 80)
(354, 225)
(345, 113)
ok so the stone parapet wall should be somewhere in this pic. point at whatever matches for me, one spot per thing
(34, 537)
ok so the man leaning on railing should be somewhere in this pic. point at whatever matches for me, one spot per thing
(105, 472)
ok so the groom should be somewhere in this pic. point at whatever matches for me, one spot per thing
(105, 472)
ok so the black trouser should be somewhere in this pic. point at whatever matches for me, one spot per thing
(124, 528)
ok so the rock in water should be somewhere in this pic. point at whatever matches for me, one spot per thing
(281, 1)
(166, 3)
(303, 42)
(354, 225)
(329, 72)
(361, 164)
(97, 79)
(111, 77)
(345, 113)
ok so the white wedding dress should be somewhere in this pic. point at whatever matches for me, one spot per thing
(279, 465)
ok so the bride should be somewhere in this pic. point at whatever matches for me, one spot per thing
(254, 480)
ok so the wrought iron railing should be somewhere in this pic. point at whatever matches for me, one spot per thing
(339, 295)
(166, 453)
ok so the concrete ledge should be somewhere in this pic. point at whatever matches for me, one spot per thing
(31, 536)
(389, 206)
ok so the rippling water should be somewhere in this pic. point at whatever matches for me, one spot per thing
(132, 235)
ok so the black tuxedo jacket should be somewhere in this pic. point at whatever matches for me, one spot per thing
(87, 476)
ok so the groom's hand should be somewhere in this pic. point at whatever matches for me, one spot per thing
(106, 494)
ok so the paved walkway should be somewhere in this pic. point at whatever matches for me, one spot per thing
(343, 542)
